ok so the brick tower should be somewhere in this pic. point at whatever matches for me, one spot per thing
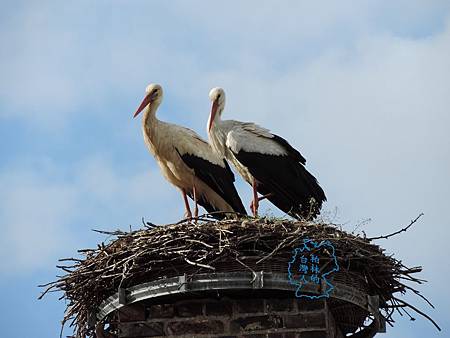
(233, 304)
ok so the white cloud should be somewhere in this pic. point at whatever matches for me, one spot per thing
(76, 57)
(34, 214)
(45, 217)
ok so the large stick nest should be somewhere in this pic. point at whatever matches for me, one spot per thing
(158, 252)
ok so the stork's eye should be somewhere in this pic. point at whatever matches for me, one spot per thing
(154, 94)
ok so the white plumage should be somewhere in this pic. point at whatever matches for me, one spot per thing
(187, 161)
(251, 138)
(266, 161)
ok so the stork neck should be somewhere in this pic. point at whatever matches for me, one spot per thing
(219, 112)
(149, 121)
(150, 114)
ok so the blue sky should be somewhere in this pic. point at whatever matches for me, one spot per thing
(361, 88)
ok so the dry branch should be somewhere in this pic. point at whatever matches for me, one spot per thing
(399, 231)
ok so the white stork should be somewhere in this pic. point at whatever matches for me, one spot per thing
(266, 161)
(188, 162)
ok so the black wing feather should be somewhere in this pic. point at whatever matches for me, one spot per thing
(291, 186)
(294, 153)
(218, 178)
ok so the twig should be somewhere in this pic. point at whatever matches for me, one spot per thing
(110, 233)
(199, 242)
(418, 311)
(419, 294)
(399, 231)
(245, 265)
(200, 265)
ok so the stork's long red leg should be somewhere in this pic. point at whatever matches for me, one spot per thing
(255, 200)
(188, 213)
(263, 197)
(195, 203)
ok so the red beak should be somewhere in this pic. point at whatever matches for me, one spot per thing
(144, 104)
(212, 116)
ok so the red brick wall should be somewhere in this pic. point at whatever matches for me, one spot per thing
(228, 317)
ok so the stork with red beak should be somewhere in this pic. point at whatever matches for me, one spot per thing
(188, 162)
(266, 161)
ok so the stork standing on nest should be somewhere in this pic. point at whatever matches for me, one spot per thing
(188, 162)
(266, 161)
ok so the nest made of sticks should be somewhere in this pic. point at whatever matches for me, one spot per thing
(158, 252)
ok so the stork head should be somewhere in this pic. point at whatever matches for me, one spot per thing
(153, 96)
(217, 96)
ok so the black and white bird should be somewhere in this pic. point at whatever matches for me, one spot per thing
(266, 161)
(188, 162)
